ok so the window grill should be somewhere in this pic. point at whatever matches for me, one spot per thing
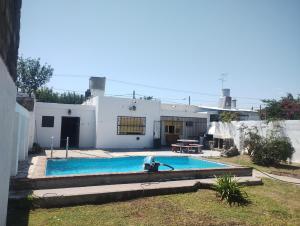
(128, 125)
(47, 121)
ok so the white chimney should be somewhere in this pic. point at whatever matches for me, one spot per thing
(225, 99)
(233, 103)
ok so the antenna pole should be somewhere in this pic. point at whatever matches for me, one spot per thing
(223, 79)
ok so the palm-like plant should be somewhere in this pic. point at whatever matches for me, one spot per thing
(228, 189)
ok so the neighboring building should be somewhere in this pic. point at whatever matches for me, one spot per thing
(227, 104)
(9, 44)
(112, 122)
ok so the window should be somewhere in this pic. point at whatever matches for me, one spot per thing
(47, 121)
(189, 123)
(173, 127)
(131, 125)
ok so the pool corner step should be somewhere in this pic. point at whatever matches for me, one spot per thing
(117, 192)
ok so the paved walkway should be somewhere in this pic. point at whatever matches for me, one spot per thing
(108, 193)
(125, 152)
(259, 174)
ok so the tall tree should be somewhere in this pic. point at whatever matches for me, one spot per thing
(31, 75)
(287, 108)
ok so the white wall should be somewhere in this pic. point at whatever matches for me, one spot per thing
(110, 108)
(290, 128)
(20, 137)
(7, 116)
(98, 121)
(87, 123)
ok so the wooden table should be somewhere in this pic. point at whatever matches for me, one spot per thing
(186, 141)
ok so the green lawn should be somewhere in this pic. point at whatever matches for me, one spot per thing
(282, 169)
(274, 203)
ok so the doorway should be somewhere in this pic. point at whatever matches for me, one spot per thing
(70, 128)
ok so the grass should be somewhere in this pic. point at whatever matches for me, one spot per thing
(282, 169)
(274, 203)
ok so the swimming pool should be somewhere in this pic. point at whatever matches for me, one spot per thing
(59, 167)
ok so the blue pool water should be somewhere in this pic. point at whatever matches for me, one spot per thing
(56, 167)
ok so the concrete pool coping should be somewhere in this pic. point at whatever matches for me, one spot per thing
(110, 193)
(38, 179)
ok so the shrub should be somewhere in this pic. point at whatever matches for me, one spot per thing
(228, 189)
(273, 151)
(253, 141)
(268, 150)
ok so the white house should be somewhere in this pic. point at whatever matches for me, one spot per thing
(113, 122)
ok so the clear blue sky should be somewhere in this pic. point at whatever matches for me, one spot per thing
(177, 44)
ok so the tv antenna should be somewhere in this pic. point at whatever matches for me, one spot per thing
(223, 79)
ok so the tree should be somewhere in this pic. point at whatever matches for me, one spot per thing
(287, 108)
(148, 98)
(46, 94)
(31, 75)
(227, 116)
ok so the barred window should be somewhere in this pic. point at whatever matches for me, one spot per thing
(131, 125)
(47, 121)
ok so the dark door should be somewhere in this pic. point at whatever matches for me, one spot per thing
(70, 128)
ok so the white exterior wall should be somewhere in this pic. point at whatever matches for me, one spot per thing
(98, 121)
(31, 128)
(7, 116)
(21, 137)
(290, 128)
(87, 123)
(108, 110)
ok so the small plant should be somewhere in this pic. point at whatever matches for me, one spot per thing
(228, 189)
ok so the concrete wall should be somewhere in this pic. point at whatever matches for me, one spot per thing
(87, 123)
(21, 137)
(9, 44)
(7, 117)
(109, 108)
(290, 128)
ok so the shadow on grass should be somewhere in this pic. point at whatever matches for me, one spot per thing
(286, 166)
(18, 212)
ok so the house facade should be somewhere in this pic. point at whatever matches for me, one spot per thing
(113, 122)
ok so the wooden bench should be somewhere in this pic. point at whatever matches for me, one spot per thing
(176, 147)
(197, 147)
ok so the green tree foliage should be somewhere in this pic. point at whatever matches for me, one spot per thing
(287, 108)
(31, 75)
(48, 95)
(227, 116)
(148, 97)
